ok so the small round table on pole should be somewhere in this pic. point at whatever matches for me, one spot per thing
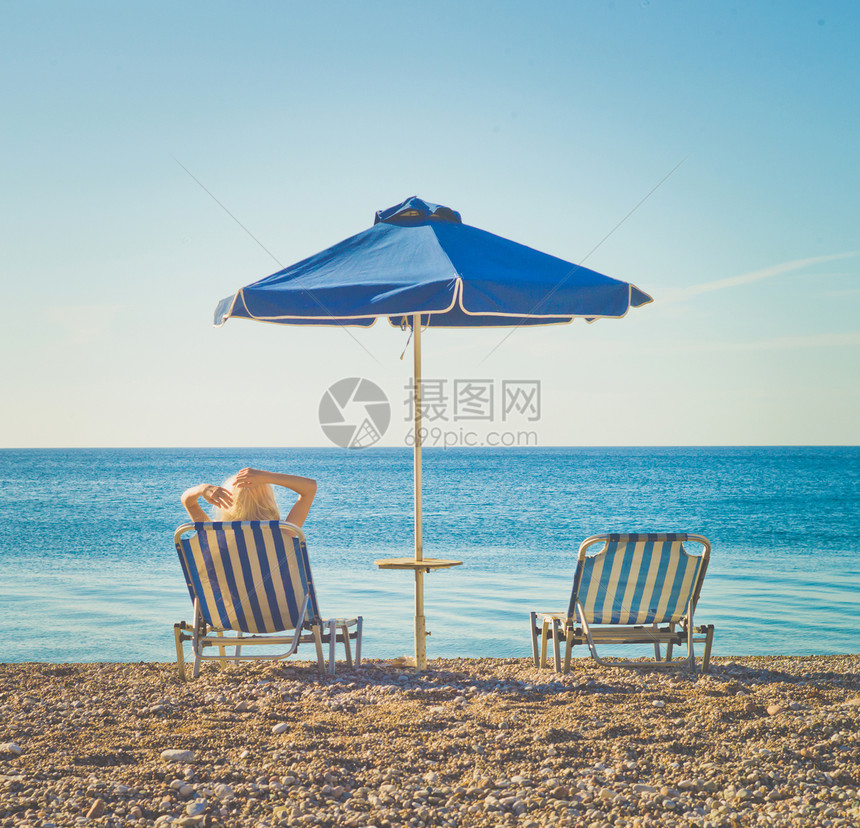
(419, 567)
(410, 563)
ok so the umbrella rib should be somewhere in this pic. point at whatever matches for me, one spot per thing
(276, 260)
(581, 263)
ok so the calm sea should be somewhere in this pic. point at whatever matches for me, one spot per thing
(89, 572)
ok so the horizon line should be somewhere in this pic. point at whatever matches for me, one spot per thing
(430, 448)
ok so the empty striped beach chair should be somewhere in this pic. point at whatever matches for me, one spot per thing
(251, 584)
(634, 589)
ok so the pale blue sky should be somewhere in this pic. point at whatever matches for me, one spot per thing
(545, 123)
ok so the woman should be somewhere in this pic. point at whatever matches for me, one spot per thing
(248, 495)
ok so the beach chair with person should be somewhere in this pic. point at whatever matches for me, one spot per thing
(633, 589)
(250, 583)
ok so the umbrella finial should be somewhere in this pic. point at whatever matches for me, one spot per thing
(416, 211)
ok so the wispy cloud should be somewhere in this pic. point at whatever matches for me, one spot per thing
(757, 275)
(823, 340)
(848, 339)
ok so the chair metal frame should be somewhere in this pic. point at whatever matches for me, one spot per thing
(575, 628)
(309, 629)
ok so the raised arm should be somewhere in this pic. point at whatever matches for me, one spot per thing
(211, 494)
(304, 487)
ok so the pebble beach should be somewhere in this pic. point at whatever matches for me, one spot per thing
(468, 742)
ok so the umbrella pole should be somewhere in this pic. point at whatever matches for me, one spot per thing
(420, 629)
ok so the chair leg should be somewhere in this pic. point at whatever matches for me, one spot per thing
(332, 640)
(656, 647)
(669, 645)
(544, 641)
(556, 644)
(706, 656)
(589, 638)
(358, 626)
(199, 630)
(222, 652)
(238, 648)
(691, 650)
(568, 649)
(318, 643)
(532, 623)
(346, 647)
(180, 655)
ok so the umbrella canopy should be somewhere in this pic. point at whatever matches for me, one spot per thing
(421, 258)
(420, 266)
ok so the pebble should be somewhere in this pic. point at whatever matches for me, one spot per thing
(775, 709)
(177, 755)
(96, 809)
(365, 749)
(195, 808)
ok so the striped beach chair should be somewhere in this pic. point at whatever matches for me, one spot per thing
(251, 584)
(635, 589)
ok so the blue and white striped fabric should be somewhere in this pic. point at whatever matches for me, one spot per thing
(251, 576)
(636, 579)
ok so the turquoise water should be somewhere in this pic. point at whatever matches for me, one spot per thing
(90, 574)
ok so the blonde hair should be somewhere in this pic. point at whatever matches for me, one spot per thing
(250, 502)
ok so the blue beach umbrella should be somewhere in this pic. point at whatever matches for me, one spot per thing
(420, 267)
